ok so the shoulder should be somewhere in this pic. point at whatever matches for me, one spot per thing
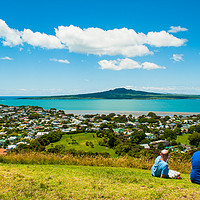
(158, 158)
(196, 154)
(164, 164)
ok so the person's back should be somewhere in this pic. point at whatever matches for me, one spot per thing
(160, 168)
(195, 169)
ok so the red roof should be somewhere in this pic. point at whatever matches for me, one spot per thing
(3, 151)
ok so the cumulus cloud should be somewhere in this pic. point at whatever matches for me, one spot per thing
(175, 29)
(41, 40)
(149, 66)
(10, 36)
(119, 64)
(125, 42)
(127, 63)
(177, 57)
(100, 42)
(60, 60)
(164, 39)
(6, 58)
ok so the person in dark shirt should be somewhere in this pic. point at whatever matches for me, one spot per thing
(195, 169)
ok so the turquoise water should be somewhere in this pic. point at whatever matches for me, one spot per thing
(189, 105)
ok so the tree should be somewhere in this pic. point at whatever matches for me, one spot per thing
(137, 136)
(169, 134)
(177, 131)
(194, 139)
(152, 115)
(194, 129)
(122, 149)
(161, 146)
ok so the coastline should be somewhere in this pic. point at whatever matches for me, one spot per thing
(134, 113)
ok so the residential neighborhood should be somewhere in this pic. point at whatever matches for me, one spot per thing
(24, 124)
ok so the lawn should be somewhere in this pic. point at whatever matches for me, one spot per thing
(183, 139)
(89, 182)
(81, 139)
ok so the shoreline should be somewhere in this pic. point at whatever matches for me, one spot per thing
(134, 113)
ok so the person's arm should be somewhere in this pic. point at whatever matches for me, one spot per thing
(165, 171)
(163, 176)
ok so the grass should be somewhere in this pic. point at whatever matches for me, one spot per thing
(183, 139)
(85, 182)
(81, 139)
(68, 159)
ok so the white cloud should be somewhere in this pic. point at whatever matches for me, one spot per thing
(149, 66)
(6, 58)
(177, 57)
(10, 36)
(175, 29)
(127, 63)
(119, 64)
(125, 42)
(41, 40)
(60, 60)
(96, 41)
(164, 39)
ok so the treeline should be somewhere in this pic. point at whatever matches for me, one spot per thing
(40, 143)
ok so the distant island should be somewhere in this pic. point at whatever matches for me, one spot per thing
(120, 93)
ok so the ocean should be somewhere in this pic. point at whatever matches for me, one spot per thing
(111, 105)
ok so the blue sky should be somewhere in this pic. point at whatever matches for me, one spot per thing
(69, 47)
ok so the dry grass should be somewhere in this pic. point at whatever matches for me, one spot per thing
(47, 159)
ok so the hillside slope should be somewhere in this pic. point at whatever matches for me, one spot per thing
(80, 140)
(86, 182)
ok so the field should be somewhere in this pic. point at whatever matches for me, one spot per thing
(183, 139)
(81, 140)
(89, 182)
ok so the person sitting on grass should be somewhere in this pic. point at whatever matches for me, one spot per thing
(160, 167)
(195, 169)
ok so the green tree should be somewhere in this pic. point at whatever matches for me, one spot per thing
(170, 134)
(137, 137)
(160, 146)
(194, 139)
(152, 115)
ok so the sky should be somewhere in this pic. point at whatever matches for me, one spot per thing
(81, 46)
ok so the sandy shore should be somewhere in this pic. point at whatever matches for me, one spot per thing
(134, 113)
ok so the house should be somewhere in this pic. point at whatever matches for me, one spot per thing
(150, 136)
(146, 146)
(12, 138)
(39, 134)
(22, 143)
(118, 130)
(3, 151)
(164, 142)
(2, 142)
(10, 147)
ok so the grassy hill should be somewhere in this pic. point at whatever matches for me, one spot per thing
(183, 139)
(81, 139)
(86, 182)
(120, 93)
